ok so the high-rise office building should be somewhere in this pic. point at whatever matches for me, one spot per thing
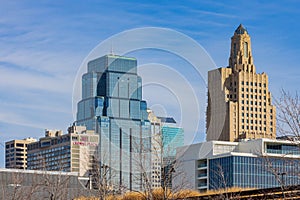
(16, 153)
(156, 149)
(172, 138)
(166, 138)
(112, 105)
(72, 152)
(239, 101)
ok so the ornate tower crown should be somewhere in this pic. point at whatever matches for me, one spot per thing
(240, 53)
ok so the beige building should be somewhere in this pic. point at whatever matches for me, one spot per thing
(16, 153)
(72, 152)
(239, 101)
(156, 149)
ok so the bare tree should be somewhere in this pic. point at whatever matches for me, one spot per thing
(102, 177)
(288, 114)
(163, 168)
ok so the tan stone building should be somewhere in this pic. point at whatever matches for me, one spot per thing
(239, 101)
(72, 152)
(16, 153)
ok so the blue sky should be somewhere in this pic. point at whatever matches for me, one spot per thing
(42, 45)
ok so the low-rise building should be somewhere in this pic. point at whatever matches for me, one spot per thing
(34, 184)
(259, 163)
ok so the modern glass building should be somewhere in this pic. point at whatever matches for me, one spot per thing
(112, 105)
(172, 136)
(259, 163)
(252, 172)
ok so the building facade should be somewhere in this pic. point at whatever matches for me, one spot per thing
(72, 152)
(259, 163)
(156, 150)
(239, 101)
(172, 137)
(112, 105)
(34, 184)
(16, 153)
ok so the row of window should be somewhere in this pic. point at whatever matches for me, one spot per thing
(256, 128)
(251, 108)
(255, 122)
(255, 115)
(251, 96)
(253, 84)
(253, 90)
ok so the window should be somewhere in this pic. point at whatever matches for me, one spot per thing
(246, 49)
(19, 145)
(234, 49)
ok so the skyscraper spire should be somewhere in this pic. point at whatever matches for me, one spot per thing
(239, 101)
(241, 53)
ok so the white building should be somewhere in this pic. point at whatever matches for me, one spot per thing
(259, 163)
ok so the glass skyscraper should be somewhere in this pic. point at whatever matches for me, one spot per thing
(112, 105)
(172, 137)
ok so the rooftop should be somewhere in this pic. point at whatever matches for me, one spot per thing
(241, 30)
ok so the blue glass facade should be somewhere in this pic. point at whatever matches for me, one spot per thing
(173, 138)
(112, 105)
(252, 172)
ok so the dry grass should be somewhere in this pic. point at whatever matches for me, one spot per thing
(157, 194)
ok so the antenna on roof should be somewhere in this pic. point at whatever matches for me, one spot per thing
(111, 49)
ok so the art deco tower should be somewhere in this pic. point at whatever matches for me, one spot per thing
(239, 101)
